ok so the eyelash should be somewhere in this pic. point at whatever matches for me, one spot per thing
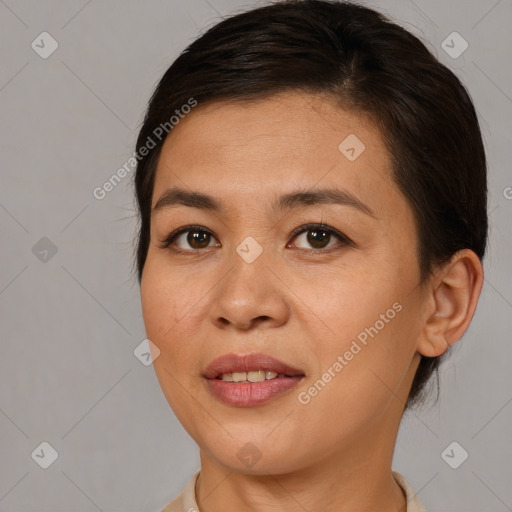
(345, 241)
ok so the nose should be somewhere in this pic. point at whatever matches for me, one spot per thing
(250, 295)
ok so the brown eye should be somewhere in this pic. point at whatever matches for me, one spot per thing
(198, 239)
(319, 236)
(188, 238)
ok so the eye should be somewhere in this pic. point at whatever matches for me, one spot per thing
(319, 236)
(196, 237)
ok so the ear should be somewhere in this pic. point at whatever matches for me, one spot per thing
(453, 296)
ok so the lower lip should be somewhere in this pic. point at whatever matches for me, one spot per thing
(249, 394)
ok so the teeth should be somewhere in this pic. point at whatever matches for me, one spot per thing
(258, 376)
(239, 376)
(252, 376)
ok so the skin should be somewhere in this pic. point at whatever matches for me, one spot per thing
(300, 303)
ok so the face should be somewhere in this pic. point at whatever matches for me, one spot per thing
(325, 284)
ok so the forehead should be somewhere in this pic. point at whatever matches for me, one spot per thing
(245, 151)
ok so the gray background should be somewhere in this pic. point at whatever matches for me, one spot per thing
(70, 321)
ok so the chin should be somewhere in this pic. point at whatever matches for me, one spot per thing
(255, 456)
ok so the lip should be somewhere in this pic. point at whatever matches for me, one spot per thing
(250, 394)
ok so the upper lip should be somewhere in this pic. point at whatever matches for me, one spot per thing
(230, 363)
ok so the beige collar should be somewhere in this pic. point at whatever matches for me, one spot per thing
(186, 501)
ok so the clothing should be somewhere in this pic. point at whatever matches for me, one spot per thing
(186, 501)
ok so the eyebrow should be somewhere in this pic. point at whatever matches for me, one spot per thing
(178, 196)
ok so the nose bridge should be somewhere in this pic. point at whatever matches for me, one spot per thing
(249, 265)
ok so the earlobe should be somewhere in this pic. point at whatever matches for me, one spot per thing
(456, 289)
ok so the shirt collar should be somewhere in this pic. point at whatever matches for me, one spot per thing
(186, 501)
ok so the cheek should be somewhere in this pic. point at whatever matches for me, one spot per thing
(166, 308)
(376, 359)
(349, 304)
(164, 311)
(363, 344)
(167, 297)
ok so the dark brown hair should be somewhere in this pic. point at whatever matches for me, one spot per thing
(371, 65)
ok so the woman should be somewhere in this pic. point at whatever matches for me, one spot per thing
(311, 185)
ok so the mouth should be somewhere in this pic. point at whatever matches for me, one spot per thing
(251, 376)
(249, 380)
(249, 368)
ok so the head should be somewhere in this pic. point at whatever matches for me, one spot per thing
(308, 95)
